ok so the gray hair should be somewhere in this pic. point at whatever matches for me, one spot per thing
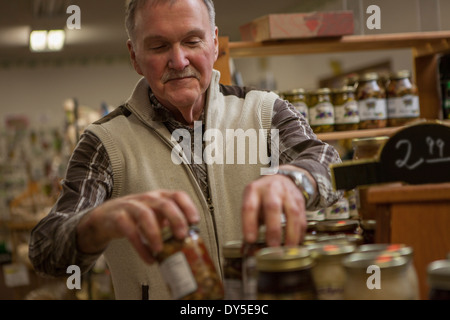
(134, 5)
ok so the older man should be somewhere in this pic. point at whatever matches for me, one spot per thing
(123, 185)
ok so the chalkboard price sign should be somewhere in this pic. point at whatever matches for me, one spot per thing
(417, 154)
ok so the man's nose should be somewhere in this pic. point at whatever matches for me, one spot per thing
(178, 58)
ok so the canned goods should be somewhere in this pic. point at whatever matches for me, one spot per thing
(284, 273)
(232, 270)
(402, 99)
(321, 111)
(297, 98)
(371, 102)
(187, 267)
(328, 272)
(346, 113)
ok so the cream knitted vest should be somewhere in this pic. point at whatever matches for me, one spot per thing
(140, 152)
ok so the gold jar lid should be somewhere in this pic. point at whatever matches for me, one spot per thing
(388, 248)
(360, 261)
(330, 250)
(402, 74)
(281, 259)
(323, 91)
(368, 224)
(232, 249)
(294, 92)
(337, 225)
(370, 76)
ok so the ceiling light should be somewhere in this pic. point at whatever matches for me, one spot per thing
(43, 40)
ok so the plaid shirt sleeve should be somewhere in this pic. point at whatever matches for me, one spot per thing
(88, 183)
(299, 146)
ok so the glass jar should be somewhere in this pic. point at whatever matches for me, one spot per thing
(438, 277)
(298, 99)
(346, 114)
(284, 273)
(375, 276)
(371, 102)
(188, 269)
(321, 111)
(352, 80)
(402, 99)
(368, 148)
(328, 272)
(397, 249)
(232, 270)
(339, 210)
(368, 228)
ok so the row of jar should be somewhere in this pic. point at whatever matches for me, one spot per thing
(321, 271)
(363, 105)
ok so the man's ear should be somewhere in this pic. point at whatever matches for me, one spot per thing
(133, 57)
(216, 43)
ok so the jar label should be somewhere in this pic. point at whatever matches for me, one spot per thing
(372, 109)
(403, 107)
(321, 114)
(346, 113)
(178, 275)
(302, 108)
(340, 210)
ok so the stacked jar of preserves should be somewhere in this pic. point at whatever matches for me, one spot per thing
(371, 102)
(321, 111)
(402, 99)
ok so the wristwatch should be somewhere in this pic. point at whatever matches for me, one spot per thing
(302, 182)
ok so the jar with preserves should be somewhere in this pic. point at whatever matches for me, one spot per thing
(284, 273)
(346, 113)
(328, 272)
(339, 210)
(368, 228)
(188, 269)
(402, 99)
(438, 278)
(321, 111)
(371, 102)
(298, 99)
(232, 270)
(375, 276)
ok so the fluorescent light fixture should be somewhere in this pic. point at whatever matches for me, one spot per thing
(43, 40)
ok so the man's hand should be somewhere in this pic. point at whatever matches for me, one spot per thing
(265, 200)
(139, 218)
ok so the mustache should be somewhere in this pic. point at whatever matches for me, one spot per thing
(186, 73)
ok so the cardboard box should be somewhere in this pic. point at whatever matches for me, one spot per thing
(298, 25)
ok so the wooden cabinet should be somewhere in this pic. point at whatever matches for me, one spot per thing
(418, 216)
(425, 50)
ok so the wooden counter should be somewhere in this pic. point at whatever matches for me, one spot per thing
(418, 216)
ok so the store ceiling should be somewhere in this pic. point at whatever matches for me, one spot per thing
(102, 33)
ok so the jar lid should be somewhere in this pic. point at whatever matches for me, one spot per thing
(385, 248)
(167, 234)
(438, 274)
(294, 92)
(232, 249)
(358, 142)
(323, 91)
(359, 261)
(345, 89)
(338, 225)
(329, 250)
(368, 224)
(370, 76)
(400, 75)
(281, 259)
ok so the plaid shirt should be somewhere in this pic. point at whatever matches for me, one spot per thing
(89, 182)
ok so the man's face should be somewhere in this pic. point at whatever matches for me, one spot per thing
(175, 49)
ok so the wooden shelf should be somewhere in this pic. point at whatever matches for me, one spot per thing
(423, 43)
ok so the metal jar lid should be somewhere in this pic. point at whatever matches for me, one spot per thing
(438, 274)
(232, 249)
(360, 261)
(337, 225)
(282, 259)
(387, 248)
(330, 251)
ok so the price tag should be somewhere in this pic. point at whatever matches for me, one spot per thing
(418, 154)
